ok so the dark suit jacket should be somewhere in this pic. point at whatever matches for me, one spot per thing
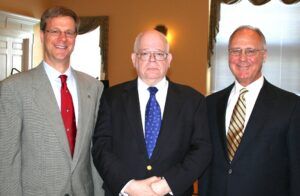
(267, 162)
(183, 149)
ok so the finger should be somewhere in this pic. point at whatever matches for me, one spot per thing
(153, 179)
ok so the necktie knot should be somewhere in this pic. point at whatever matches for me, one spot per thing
(152, 90)
(63, 78)
(243, 91)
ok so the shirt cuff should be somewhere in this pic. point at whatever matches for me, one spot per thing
(122, 193)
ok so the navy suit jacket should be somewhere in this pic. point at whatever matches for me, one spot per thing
(183, 148)
(267, 162)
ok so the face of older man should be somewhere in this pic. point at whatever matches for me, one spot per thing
(58, 40)
(151, 59)
(246, 56)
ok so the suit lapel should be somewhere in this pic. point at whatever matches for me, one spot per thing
(132, 108)
(221, 108)
(257, 120)
(84, 108)
(45, 98)
(171, 111)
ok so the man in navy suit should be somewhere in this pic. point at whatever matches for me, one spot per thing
(267, 159)
(183, 149)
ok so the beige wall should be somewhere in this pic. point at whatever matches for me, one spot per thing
(32, 8)
(187, 20)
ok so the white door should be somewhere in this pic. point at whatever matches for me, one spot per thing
(11, 56)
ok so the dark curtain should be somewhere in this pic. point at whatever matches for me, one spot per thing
(215, 18)
(90, 23)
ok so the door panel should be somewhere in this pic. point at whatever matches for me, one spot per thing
(11, 52)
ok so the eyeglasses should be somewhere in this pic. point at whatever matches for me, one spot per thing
(57, 33)
(158, 56)
(249, 52)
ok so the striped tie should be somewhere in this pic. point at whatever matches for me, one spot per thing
(236, 126)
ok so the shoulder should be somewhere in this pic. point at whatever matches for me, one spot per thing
(21, 86)
(23, 79)
(122, 87)
(222, 94)
(281, 94)
(115, 92)
(88, 80)
(184, 90)
(85, 77)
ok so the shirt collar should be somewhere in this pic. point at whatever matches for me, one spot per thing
(253, 87)
(160, 85)
(53, 74)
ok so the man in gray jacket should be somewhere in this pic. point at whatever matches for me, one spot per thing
(47, 118)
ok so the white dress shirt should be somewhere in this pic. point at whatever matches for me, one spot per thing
(250, 97)
(55, 81)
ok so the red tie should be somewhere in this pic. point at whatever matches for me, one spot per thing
(67, 113)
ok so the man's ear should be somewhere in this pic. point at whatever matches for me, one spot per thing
(265, 55)
(42, 36)
(169, 59)
(133, 59)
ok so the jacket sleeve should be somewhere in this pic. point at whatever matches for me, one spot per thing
(294, 150)
(10, 140)
(196, 160)
(111, 169)
(97, 180)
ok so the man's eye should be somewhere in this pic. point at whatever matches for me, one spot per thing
(251, 51)
(235, 51)
(159, 54)
(144, 54)
(70, 33)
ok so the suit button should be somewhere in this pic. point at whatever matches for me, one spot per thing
(230, 171)
(149, 167)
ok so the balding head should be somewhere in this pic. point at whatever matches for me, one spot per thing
(151, 34)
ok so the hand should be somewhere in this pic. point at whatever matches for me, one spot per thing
(142, 187)
(161, 187)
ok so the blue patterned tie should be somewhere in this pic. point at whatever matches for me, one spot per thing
(152, 121)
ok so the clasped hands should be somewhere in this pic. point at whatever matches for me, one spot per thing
(153, 186)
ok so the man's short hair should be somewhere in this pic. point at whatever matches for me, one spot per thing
(56, 12)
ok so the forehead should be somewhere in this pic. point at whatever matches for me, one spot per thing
(66, 21)
(246, 37)
(152, 41)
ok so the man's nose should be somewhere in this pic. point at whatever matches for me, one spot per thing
(152, 57)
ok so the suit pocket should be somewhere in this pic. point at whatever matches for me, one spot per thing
(89, 188)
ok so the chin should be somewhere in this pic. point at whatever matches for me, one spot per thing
(153, 75)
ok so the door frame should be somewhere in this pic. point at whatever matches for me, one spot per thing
(21, 27)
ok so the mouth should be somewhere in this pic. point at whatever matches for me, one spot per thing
(153, 69)
(243, 66)
(58, 46)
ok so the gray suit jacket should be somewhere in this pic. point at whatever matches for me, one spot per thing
(34, 152)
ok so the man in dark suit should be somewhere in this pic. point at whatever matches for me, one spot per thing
(38, 156)
(182, 149)
(264, 158)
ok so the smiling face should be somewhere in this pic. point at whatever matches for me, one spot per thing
(58, 46)
(151, 70)
(247, 68)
